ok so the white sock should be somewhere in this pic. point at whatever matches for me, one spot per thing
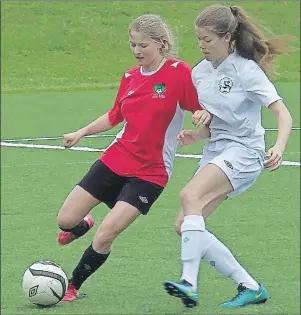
(220, 257)
(194, 245)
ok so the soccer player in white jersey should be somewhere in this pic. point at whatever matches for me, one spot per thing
(135, 168)
(232, 85)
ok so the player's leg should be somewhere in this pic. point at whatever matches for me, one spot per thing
(212, 249)
(73, 218)
(219, 256)
(117, 220)
(197, 195)
(226, 262)
(206, 158)
(208, 209)
(135, 198)
(242, 166)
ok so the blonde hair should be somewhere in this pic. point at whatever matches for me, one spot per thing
(155, 28)
(248, 39)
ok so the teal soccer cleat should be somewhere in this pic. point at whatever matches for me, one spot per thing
(184, 291)
(247, 296)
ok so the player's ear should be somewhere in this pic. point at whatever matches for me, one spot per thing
(158, 45)
(227, 37)
(164, 46)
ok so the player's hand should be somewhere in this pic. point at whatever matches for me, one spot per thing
(187, 137)
(70, 139)
(201, 117)
(274, 158)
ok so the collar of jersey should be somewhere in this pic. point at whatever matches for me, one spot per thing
(154, 71)
(224, 63)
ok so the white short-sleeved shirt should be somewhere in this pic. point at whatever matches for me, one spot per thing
(234, 93)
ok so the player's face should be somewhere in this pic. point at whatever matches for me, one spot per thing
(145, 50)
(214, 47)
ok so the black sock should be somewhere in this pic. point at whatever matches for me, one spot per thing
(89, 263)
(79, 230)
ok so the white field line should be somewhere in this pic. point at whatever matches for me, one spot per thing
(46, 146)
(57, 138)
(47, 164)
(87, 149)
(96, 136)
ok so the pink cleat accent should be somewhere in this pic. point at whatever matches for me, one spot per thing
(65, 238)
(71, 294)
(90, 220)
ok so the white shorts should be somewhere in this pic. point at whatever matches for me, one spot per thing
(241, 164)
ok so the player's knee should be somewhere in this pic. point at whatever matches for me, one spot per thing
(188, 197)
(64, 222)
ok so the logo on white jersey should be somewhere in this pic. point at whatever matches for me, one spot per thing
(159, 90)
(143, 199)
(225, 85)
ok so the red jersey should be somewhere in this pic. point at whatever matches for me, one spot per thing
(152, 107)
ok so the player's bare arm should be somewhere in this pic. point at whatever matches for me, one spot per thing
(101, 124)
(285, 123)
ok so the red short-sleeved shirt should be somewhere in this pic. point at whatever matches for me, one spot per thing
(152, 107)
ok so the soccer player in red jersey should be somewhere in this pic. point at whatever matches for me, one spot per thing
(135, 168)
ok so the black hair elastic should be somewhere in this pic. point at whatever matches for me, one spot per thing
(233, 11)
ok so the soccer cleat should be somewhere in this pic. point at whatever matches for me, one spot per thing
(65, 238)
(184, 291)
(247, 296)
(71, 294)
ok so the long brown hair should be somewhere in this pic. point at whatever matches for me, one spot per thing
(246, 37)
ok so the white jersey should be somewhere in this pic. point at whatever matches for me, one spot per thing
(234, 94)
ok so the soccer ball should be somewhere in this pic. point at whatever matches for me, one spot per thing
(44, 283)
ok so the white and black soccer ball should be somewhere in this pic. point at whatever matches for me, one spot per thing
(45, 283)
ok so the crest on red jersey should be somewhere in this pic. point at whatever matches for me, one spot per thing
(159, 90)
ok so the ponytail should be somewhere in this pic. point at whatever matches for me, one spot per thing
(251, 43)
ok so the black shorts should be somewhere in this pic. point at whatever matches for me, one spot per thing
(108, 187)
